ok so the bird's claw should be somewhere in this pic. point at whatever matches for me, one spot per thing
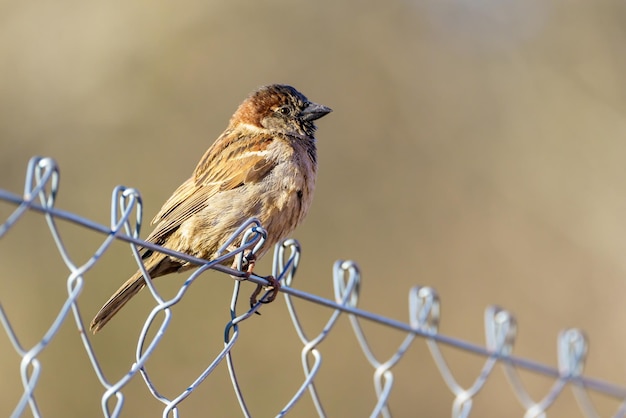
(274, 285)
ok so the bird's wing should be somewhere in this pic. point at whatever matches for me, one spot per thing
(234, 160)
(230, 162)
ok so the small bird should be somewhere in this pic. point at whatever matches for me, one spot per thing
(263, 165)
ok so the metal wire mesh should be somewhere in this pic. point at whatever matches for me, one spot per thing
(40, 192)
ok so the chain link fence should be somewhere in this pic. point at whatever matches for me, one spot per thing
(40, 192)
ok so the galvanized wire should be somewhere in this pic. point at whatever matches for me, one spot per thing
(40, 191)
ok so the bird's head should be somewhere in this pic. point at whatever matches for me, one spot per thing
(280, 108)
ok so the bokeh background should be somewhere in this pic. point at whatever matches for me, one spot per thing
(476, 147)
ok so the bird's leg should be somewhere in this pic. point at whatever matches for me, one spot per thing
(274, 284)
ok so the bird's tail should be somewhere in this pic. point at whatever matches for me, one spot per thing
(129, 289)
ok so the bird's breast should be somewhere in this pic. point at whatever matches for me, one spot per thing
(288, 191)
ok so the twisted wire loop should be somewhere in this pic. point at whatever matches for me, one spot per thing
(42, 181)
(424, 306)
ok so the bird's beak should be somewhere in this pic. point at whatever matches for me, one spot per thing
(315, 111)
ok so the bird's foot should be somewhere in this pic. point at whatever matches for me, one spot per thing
(274, 284)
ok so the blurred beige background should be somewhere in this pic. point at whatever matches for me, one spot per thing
(476, 147)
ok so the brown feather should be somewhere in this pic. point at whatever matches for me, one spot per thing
(211, 176)
(157, 265)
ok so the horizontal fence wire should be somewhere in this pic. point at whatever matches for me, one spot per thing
(41, 188)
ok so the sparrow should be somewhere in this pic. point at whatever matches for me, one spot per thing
(264, 165)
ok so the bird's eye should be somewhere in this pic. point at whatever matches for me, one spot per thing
(284, 110)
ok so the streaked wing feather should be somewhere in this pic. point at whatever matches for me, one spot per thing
(247, 163)
(186, 200)
(184, 191)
